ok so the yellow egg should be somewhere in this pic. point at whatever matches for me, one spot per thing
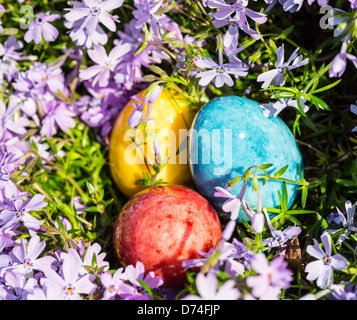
(173, 116)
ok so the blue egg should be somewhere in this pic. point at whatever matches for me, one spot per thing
(228, 135)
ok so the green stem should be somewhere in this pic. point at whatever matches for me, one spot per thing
(312, 81)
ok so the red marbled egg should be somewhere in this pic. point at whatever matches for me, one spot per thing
(163, 226)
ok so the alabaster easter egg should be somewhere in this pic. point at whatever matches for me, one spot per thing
(128, 160)
(162, 226)
(229, 134)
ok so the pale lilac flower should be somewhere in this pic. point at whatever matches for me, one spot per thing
(231, 36)
(220, 72)
(25, 257)
(353, 4)
(137, 115)
(45, 291)
(257, 218)
(81, 37)
(322, 269)
(93, 250)
(105, 64)
(7, 120)
(146, 12)
(273, 109)
(91, 12)
(347, 224)
(239, 12)
(277, 75)
(78, 205)
(280, 237)
(271, 278)
(47, 76)
(41, 27)
(57, 115)
(7, 237)
(70, 285)
(134, 290)
(319, 2)
(227, 258)
(17, 287)
(207, 287)
(233, 203)
(111, 283)
(344, 291)
(339, 64)
(21, 212)
(7, 167)
(9, 57)
(292, 5)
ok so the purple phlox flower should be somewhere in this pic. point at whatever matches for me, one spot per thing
(319, 2)
(353, 4)
(93, 250)
(291, 5)
(207, 287)
(132, 289)
(17, 287)
(41, 27)
(239, 12)
(322, 269)
(7, 167)
(81, 37)
(9, 56)
(343, 22)
(228, 255)
(277, 75)
(45, 291)
(232, 34)
(111, 283)
(257, 218)
(48, 76)
(66, 223)
(146, 12)
(7, 237)
(347, 224)
(271, 4)
(91, 12)
(345, 291)
(8, 202)
(246, 256)
(339, 64)
(42, 147)
(16, 146)
(233, 203)
(218, 71)
(7, 120)
(105, 64)
(273, 109)
(25, 257)
(70, 284)
(21, 212)
(271, 277)
(78, 205)
(280, 237)
(354, 111)
(137, 115)
(57, 115)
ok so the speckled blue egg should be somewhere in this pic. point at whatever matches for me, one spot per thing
(230, 134)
